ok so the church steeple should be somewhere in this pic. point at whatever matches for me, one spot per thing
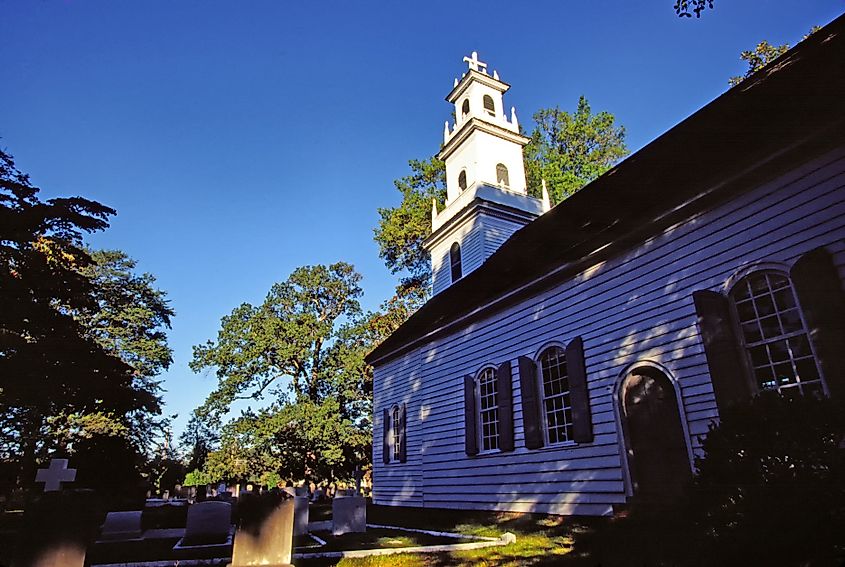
(486, 192)
(483, 143)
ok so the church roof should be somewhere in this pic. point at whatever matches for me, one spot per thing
(782, 115)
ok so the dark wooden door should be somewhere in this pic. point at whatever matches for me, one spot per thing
(657, 450)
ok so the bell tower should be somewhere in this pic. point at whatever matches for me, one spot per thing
(486, 193)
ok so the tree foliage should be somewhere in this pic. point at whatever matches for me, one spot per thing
(77, 355)
(763, 54)
(686, 8)
(302, 348)
(401, 230)
(570, 149)
(770, 463)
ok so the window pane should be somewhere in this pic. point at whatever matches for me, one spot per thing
(751, 331)
(778, 351)
(784, 374)
(800, 346)
(784, 299)
(765, 305)
(758, 284)
(791, 321)
(778, 281)
(764, 377)
(759, 355)
(740, 291)
(746, 312)
(807, 370)
(770, 327)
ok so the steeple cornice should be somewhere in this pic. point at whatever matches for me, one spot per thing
(483, 78)
(473, 124)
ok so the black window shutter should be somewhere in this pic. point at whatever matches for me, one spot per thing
(722, 348)
(531, 422)
(582, 419)
(504, 390)
(822, 301)
(470, 434)
(385, 437)
(403, 429)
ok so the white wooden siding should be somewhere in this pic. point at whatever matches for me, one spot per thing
(637, 306)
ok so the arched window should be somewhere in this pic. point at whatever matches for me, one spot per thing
(465, 108)
(774, 335)
(462, 180)
(556, 402)
(489, 106)
(487, 395)
(502, 175)
(393, 441)
(455, 261)
(396, 423)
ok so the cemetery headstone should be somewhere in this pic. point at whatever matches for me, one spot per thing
(358, 476)
(349, 515)
(55, 475)
(207, 530)
(300, 510)
(121, 526)
(58, 525)
(265, 534)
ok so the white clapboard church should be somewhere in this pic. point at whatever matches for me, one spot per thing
(572, 358)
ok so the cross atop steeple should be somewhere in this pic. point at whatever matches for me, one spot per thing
(475, 64)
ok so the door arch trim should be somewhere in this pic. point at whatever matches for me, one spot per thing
(617, 412)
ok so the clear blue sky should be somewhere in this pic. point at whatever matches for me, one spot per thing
(239, 140)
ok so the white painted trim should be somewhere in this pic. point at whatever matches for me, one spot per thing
(751, 267)
(617, 411)
(548, 344)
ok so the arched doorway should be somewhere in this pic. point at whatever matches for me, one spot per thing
(658, 460)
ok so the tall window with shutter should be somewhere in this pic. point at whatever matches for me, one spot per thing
(555, 397)
(394, 434)
(774, 335)
(488, 408)
(556, 402)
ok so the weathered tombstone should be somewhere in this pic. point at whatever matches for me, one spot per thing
(358, 476)
(58, 525)
(349, 515)
(54, 476)
(265, 534)
(300, 509)
(165, 495)
(121, 526)
(207, 531)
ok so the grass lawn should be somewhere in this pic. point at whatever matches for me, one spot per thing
(541, 540)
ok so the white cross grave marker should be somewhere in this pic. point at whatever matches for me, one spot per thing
(475, 64)
(54, 476)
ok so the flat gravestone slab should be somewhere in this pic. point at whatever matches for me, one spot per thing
(349, 515)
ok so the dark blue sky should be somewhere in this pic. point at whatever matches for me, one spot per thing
(239, 140)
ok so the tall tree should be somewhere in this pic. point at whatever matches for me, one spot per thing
(569, 150)
(302, 348)
(50, 364)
